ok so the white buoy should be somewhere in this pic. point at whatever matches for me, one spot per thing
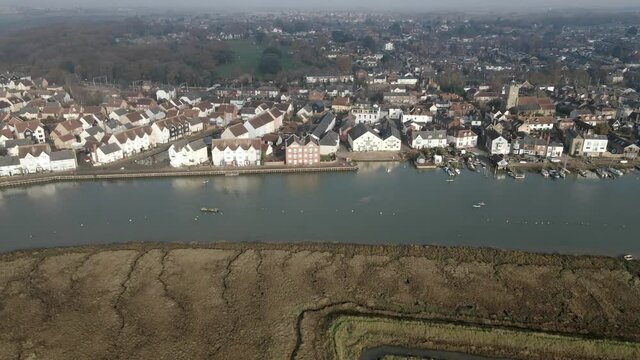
(81, 225)
(130, 220)
(352, 210)
(380, 212)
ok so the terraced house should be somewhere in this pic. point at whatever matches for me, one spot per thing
(236, 152)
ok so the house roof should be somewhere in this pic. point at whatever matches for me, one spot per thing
(331, 138)
(361, 129)
(9, 161)
(63, 155)
(110, 148)
(324, 125)
(234, 144)
(300, 141)
(35, 150)
(238, 129)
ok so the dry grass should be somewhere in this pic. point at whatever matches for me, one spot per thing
(350, 335)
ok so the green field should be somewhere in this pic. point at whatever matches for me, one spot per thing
(247, 55)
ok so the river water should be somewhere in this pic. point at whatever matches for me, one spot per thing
(372, 206)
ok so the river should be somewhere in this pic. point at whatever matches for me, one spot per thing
(372, 206)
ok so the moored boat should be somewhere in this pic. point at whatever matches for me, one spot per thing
(582, 173)
(210, 210)
(544, 173)
(628, 257)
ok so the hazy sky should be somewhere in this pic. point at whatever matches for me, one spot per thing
(332, 4)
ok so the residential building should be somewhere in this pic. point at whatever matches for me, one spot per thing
(188, 154)
(302, 150)
(496, 144)
(428, 139)
(236, 152)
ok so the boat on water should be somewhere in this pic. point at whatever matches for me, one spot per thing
(210, 210)
(449, 171)
(481, 203)
(554, 174)
(602, 174)
(516, 174)
(582, 173)
(476, 206)
(471, 166)
(544, 173)
(628, 257)
(456, 170)
(205, 182)
(450, 180)
(232, 174)
(615, 172)
(388, 170)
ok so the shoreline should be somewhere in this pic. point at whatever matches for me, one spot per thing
(119, 175)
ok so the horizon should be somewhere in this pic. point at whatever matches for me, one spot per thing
(465, 6)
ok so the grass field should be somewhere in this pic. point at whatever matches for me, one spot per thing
(247, 57)
(350, 335)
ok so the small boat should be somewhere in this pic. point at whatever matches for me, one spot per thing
(554, 174)
(450, 180)
(602, 174)
(476, 206)
(457, 171)
(544, 173)
(481, 203)
(562, 174)
(516, 174)
(388, 170)
(615, 172)
(628, 257)
(205, 182)
(232, 174)
(210, 210)
(471, 166)
(582, 173)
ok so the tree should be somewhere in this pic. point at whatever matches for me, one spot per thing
(602, 129)
(369, 43)
(269, 64)
(344, 64)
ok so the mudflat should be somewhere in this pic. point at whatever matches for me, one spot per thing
(280, 301)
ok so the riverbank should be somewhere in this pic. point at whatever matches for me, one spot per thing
(100, 174)
(240, 300)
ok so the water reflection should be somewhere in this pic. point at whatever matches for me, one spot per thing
(238, 185)
(303, 183)
(369, 168)
(188, 184)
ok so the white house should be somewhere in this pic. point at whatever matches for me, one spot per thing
(133, 141)
(10, 166)
(64, 160)
(496, 144)
(462, 138)
(428, 139)
(363, 138)
(35, 158)
(236, 152)
(329, 143)
(188, 154)
(237, 131)
(367, 115)
(264, 123)
(108, 153)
